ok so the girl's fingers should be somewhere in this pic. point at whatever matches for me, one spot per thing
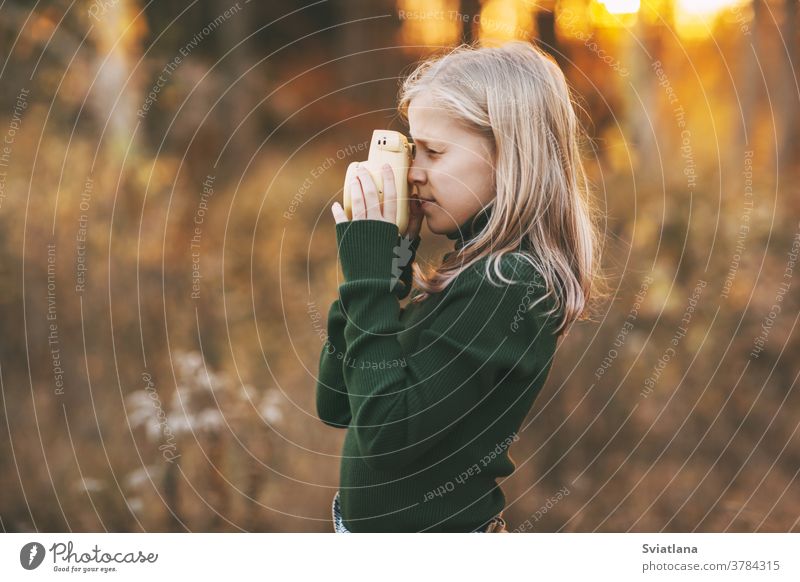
(339, 215)
(373, 205)
(357, 200)
(389, 194)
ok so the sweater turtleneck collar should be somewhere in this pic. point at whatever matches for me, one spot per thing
(471, 227)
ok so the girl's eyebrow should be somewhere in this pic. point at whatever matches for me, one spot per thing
(424, 141)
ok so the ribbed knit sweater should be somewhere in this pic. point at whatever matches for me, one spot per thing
(432, 395)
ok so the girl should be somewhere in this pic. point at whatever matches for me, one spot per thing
(432, 395)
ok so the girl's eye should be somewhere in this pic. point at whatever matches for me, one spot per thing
(433, 153)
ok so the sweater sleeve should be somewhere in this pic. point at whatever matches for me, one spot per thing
(403, 403)
(333, 407)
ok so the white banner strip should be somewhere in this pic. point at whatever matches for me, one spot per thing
(531, 556)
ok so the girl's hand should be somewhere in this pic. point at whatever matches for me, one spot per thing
(367, 206)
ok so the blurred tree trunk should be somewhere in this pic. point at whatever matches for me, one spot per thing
(546, 32)
(788, 147)
(368, 28)
(174, 521)
(118, 88)
(218, 489)
(470, 8)
(245, 94)
(749, 89)
(643, 125)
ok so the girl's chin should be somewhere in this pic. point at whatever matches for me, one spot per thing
(432, 226)
(432, 220)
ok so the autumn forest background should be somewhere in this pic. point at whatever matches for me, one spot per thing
(167, 258)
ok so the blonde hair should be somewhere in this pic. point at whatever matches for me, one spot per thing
(518, 98)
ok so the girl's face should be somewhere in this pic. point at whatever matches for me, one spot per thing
(453, 168)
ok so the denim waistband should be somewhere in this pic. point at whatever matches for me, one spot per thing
(339, 527)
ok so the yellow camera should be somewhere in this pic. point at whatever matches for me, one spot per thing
(387, 147)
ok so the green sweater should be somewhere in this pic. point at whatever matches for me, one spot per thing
(432, 395)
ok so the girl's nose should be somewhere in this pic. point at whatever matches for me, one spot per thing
(416, 175)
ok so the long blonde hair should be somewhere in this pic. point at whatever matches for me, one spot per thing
(518, 97)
